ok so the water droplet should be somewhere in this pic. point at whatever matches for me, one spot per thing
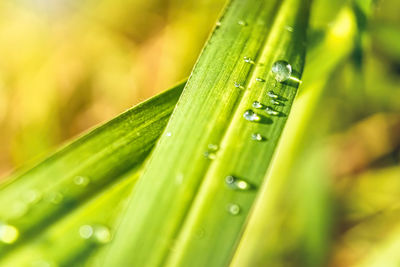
(271, 111)
(260, 80)
(31, 196)
(242, 23)
(102, 234)
(257, 104)
(251, 115)
(236, 183)
(238, 85)
(282, 71)
(210, 155)
(8, 233)
(55, 197)
(168, 134)
(257, 137)
(81, 180)
(272, 94)
(275, 102)
(289, 29)
(248, 60)
(218, 24)
(97, 233)
(86, 231)
(213, 147)
(233, 209)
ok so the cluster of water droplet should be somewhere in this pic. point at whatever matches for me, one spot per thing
(98, 233)
(211, 152)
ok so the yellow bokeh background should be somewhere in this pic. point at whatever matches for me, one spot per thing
(68, 65)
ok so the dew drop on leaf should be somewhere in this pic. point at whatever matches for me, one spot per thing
(251, 115)
(272, 112)
(81, 180)
(86, 231)
(260, 80)
(281, 70)
(236, 183)
(272, 94)
(233, 209)
(242, 23)
(275, 102)
(257, 104)
(210, 155)
(248, 60)
(55, 197)
(213, 147)
(238, 85)
(31, 196)
(8, 233)
(289, 29)
(257, 137)
(102, 234)
(97, 233)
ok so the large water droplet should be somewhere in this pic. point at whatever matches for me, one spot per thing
(257, 137)
(282, 70)
(8, 233)
(260, 80)
(233, 209)
(218, 24)
(271, 111)
(251, 115)
(236, 183)
(81, 180)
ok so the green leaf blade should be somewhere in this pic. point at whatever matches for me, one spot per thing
(163, 196)
(43, 194)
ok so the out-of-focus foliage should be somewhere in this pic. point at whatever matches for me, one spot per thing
(67, 65)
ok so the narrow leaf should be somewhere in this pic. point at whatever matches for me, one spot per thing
(208, 139)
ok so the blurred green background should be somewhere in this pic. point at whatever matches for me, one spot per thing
(68, 65)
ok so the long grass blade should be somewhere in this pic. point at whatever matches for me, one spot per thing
(207, 140)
